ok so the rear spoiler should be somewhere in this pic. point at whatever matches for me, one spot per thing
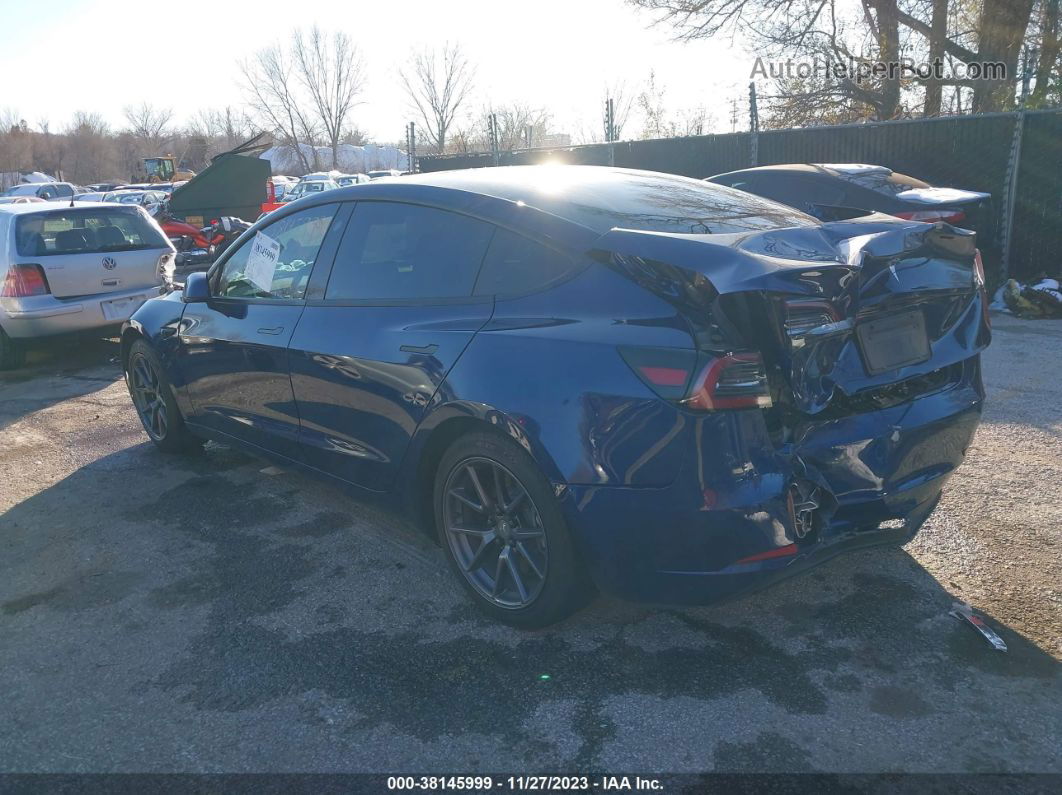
(748, 260)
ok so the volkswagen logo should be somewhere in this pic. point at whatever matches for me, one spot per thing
(109, 263)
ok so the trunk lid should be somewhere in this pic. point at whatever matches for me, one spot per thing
(847, 315)
(96, 273)
(93, 249)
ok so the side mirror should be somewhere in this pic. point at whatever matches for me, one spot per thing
(196, 288)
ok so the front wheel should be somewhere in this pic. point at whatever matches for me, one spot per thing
(504, 533)
(154, 402)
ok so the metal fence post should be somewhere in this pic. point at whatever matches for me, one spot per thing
(754, 127)
(1010, 194)
(610, 130)
(492, 129)
(411, 148)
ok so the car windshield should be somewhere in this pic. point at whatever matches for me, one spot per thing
(85, 231)
(23, 190)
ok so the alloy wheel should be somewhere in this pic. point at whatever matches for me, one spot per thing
(495, 533)
(146, 389)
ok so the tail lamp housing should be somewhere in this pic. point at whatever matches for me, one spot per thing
(948, 216)
(24, 280)
(700, 381)
(804, 314)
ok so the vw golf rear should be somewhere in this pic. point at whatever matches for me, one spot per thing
(74, 267)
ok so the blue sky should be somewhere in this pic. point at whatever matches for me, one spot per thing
(101, 55)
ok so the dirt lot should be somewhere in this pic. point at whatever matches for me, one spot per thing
(213, 614)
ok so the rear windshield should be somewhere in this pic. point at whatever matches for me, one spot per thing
(669, 204)
(889, 183)
(86, 231)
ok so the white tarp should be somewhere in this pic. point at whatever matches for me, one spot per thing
(351, 159)
(855, 168)
(940, 195)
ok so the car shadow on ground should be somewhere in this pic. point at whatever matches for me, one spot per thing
(221, 586)
(58, 369)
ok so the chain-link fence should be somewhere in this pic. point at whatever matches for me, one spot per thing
(991, 153)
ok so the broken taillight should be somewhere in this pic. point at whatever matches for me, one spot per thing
(702, 381)
(24, 281)
(734, 381)
(804, 314)
(948, 216)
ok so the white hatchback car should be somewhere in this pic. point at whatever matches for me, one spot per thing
(74, 267)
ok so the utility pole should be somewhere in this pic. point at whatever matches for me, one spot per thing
(754, 127)
(610, 130)
(492, 131)
(411, 147)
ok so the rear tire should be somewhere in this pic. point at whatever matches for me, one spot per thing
(504, 533)
(153, 399)
(12, 353)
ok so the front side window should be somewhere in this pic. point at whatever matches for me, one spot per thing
(86, 231)
(404, 251)
(278, 260)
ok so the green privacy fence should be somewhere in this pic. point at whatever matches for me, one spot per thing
(1004, 154)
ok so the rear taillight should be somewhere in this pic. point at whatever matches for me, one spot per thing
(804, 314)
(932, 216)
(734, 381)
(23, 281)
(701, 381)
(667, 371)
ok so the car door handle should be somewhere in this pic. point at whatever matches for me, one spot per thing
(274, 330)
(426, 349)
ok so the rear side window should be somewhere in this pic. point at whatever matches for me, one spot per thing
(392, 250)
(515, 264)
(86, 231)
(63, 190)
(794, 190)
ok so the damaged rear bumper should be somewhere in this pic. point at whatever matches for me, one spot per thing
(730, 522)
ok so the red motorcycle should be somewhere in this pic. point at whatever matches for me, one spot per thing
(198, 247)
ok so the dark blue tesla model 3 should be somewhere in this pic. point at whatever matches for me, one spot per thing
(577, 376)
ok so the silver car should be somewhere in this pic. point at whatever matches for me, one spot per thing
(74, 267)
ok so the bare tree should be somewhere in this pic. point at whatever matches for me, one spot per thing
(659, 122)
(333, 73)
(437, 83)
(274, 96)
(862, 33)
(622, 104)
(520, 125)
(1048, 51)
(91, 151)
(149, 123)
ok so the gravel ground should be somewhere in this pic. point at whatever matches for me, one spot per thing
(217, 614)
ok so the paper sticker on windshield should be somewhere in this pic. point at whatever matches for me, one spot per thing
(261, 264)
